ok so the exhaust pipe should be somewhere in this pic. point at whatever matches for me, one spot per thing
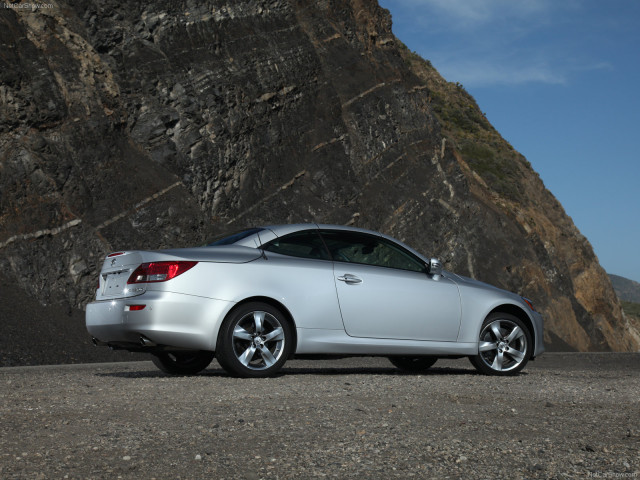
(145, 342)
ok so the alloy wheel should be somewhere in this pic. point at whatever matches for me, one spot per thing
(503, 345)
(258, 340)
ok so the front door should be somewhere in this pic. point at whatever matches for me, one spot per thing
(384, 291)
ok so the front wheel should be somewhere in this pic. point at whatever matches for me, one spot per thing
(504, 345)
(254, 341)
(413, 364)
(182, 363)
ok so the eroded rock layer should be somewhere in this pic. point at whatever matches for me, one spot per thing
(125, 125)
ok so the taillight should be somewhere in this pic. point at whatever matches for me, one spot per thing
(159, 271)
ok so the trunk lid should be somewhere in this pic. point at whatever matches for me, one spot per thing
(116, 270)
(118, 266)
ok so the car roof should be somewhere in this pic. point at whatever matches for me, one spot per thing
(281, 230)
(266, 233)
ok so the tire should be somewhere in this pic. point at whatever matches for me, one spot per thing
(182, 363)
(504, 345)
(413, 364)
(255, 340)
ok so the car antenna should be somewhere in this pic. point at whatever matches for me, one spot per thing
(264, 255)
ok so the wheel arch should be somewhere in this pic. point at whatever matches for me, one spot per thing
(274, 303)
(519, 313)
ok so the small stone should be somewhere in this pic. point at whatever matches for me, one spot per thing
(198, 457)
(267, 96)
(126, 458)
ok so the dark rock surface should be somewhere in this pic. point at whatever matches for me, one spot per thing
(125, 125)
(33, 334)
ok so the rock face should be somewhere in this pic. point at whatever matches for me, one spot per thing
(125, 125)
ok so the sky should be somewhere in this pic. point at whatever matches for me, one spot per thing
(560, 80)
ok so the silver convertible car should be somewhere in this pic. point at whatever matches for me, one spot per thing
(260, 296)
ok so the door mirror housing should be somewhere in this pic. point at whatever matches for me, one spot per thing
(434, 267)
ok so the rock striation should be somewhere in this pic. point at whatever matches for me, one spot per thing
(129, 125)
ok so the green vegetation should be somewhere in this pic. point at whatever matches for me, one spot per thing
(631, 308)
(467, 128)
(501, 174)
(411, 55)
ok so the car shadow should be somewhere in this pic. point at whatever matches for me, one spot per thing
(292, 371)
(390, 371)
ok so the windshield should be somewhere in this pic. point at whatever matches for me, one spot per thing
(231, 238)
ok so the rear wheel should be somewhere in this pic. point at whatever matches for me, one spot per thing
(255, 340)
(182, 363)
(413, 364)
(504, 345)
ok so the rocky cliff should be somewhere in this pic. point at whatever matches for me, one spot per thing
(125, 125)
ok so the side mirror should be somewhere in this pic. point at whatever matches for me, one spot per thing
(435, 267)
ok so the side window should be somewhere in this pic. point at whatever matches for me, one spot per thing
(367, 249)
(231, 238)
(307, 244)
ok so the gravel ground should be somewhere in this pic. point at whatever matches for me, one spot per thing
(566, 416)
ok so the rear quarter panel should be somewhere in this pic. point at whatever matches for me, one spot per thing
(305, 287)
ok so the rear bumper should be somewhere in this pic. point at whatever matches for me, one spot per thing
(168, 319)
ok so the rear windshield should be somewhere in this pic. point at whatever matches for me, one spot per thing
(231, 238)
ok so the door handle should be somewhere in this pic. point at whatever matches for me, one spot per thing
(350, 279)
